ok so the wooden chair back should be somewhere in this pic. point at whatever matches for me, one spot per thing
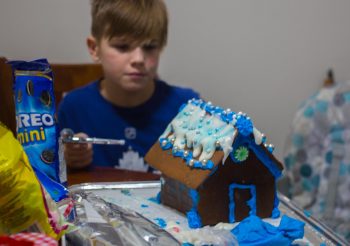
(70, 76)
(7, 105)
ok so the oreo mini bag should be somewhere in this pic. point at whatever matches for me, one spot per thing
(37, 130)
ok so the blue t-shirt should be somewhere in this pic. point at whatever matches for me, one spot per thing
(85, 110)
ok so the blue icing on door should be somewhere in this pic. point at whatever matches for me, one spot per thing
(242, 197)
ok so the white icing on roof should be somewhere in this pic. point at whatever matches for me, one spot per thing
(203, 128)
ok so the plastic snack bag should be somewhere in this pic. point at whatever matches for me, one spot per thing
(23, 203)
(37, 130)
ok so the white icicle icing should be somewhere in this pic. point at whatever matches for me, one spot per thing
(195, 129)
(257, 136)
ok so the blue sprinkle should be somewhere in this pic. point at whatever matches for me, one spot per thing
(144, 206)
(160, 222)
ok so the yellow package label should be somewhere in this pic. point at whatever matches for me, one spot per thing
(22, 203)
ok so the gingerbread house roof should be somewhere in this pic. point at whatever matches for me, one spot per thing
(203, 136)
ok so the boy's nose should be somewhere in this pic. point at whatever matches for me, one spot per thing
(138, 55)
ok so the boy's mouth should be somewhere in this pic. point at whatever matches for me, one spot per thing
(136, 75)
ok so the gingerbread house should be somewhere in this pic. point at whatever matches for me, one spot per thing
(216, 166)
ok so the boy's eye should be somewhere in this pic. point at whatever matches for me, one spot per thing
(150, 47)
(122, 47)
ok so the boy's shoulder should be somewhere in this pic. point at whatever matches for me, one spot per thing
(80, 94)
(177, 91)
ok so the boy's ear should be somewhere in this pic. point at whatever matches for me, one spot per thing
(93, 48)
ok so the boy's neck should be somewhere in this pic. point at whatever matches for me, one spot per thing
(122, 98)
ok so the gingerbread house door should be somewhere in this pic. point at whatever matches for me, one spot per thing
(242, 202)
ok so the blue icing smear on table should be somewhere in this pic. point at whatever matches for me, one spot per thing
(155, 199)
(161, 222)
(254, 231)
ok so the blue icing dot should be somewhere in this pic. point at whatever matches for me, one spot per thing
(144, 206)
(177, 153)
(197, 164)
(229, 116)
(305, 170)
(321, 106)
(194, 221)
(309, 112)
(210, 164)
(161, 222)
(298, 140)
(168, 144)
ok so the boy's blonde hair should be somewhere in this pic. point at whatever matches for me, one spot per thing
(139, 20)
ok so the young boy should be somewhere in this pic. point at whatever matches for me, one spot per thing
(129, 102)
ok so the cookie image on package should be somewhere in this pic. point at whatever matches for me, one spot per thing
(45, 98)
(48, 156)
(30, 88)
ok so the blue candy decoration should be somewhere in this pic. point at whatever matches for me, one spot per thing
(244, 125)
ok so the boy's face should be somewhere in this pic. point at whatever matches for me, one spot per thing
(132, 67)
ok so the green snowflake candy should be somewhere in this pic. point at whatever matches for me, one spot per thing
(241, 153)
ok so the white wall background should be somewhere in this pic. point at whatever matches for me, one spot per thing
(261, 57)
